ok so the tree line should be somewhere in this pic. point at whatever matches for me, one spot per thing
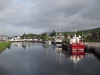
(88, 35)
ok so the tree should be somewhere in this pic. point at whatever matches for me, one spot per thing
(23, 36)
(53, 33)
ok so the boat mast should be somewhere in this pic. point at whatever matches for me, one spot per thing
(75, 34)
(60, 32)
(60, 28)
(56, 31)
(47, 34)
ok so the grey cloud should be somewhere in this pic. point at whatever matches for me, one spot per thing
(92, 11)
(4, 4)
(43, 14)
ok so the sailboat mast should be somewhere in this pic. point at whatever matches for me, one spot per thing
(56, 31)
(60, 28)
(47, 34)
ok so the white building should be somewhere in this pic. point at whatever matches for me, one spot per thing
(15, 38)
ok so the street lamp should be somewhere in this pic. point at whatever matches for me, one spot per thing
(82, 32)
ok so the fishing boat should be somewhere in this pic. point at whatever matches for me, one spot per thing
(76, 45)
(65, 43)
(58, 40)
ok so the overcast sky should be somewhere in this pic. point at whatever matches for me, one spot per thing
(37, 16)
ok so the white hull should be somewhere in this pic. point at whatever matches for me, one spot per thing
(58, 44)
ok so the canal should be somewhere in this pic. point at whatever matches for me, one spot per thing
(43, 59)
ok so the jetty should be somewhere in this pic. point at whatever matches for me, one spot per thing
(95, 46)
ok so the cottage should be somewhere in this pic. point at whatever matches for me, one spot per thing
(15, 38)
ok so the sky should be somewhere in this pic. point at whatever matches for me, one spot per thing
(37, 16)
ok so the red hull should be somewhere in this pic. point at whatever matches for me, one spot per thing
(77, 46)
(77, 53)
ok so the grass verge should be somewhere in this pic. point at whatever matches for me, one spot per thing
(4, 45)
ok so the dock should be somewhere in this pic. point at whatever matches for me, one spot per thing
(95, 46)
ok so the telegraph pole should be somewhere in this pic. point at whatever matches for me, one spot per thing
(82, 32)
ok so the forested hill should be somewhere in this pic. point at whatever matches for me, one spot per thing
(91, 34)
(94, 30)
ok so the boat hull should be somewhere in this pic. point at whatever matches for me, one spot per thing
(76, 46)
(64, 45)
(77, 52)
(77, 49)
(58, 44)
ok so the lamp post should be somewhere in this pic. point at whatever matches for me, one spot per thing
(82, 34)
(47, 34)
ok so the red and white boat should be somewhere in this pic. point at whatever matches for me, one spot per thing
(77, 46)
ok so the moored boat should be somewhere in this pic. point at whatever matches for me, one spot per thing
(65, 43)
(58, 40)
(76, 43)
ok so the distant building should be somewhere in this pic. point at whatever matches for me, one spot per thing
(3, 38)
(15, 38)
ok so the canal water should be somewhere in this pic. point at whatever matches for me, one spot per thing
(44, 59)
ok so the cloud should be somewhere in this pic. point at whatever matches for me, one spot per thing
(34, 16)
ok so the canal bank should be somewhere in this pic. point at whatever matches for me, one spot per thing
(94, 46)
(96, 51)
(4, 45)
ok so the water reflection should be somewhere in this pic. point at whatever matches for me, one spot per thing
(45, 45)
(74, 57)
(58, 52)
(29, 44)
(44, 59)
(24, 45)
(16, 43)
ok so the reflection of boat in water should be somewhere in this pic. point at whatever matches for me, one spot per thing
(58, 53)
(16, 43)
(77, 52)
(48, 42)
(24, 45)
(76, 59)
(68, 54)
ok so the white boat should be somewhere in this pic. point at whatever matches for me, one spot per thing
(49, 42)
(58, 40)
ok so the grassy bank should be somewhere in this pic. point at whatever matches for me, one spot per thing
(4, 45)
